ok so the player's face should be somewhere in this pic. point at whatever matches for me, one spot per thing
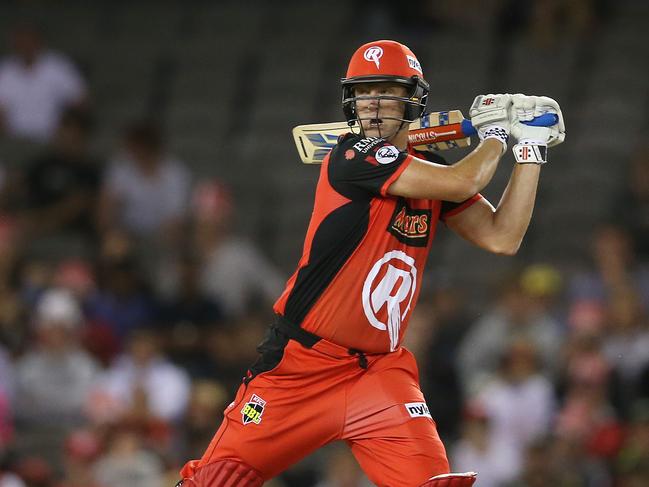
(380, 117)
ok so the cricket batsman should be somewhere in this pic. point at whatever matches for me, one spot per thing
(331, 366)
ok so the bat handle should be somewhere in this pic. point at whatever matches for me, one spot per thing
(545, 120)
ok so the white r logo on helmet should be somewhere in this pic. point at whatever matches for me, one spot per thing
(373, 54)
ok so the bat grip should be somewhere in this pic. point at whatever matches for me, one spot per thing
(545, 120)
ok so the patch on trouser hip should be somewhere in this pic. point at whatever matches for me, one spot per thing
(418, 410)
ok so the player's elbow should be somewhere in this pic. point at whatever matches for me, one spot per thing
(509, 251)
(504, 247)
(498, 241)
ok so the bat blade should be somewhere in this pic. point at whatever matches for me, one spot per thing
(314, 141)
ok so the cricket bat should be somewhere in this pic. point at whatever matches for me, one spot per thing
(434, 131)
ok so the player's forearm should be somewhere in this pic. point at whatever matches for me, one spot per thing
(478, 167)
(457, 183)
(514, 212)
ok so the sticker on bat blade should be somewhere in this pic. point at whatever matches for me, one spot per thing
(253, 410)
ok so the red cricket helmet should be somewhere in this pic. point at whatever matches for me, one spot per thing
(385, 61)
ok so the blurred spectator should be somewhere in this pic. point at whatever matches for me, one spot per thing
(586, 317)
(232, 349)
(574, 466)
(98, 337)
(614, 270)
(122, 301)
(235, 273)
(77, 276)
(53, 378)
(60, 187)
(519, 402)
(35, 278)
(145, 191)
(8, 479)
(587, 419)
(538, 469)
(142, 383)
(36, 85)
(81, 449)
(522, 312)
(207, 402)
(35, 471)
(188, 318)
(127, 462)
(626, 343)
(478, 451)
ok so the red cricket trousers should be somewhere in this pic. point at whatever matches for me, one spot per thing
(313, 396)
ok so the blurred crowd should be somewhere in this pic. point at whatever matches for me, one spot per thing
(130, 309)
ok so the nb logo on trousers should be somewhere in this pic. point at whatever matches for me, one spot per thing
(418, 410)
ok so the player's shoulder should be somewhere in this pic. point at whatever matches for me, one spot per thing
(359, 143)
(353, 148)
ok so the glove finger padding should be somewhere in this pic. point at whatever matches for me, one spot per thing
(546, 104)
(490, 117)
(543, 105)
(490, 110)
(524, 107)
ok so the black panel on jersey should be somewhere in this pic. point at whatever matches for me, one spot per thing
(333, 243)
(360, 164)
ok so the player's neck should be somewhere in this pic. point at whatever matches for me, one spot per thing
(400, 139)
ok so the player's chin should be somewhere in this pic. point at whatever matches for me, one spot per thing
(372, 131)
(376, 129)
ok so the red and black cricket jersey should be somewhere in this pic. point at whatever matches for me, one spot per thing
(365, 251)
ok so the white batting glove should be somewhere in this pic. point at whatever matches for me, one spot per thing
(490, 116)
(534, 141)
